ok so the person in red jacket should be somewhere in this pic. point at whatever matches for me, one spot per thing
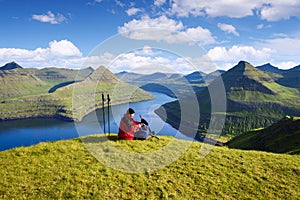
(128, 126)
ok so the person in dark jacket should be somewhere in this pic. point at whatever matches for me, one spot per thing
(128, 125)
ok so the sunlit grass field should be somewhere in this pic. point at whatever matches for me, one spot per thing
(65, 169)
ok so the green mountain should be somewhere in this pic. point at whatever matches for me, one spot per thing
(281, 137)
(270, 68)
(71, 101)
(17, 82)
(67, 170)
(253, 100)
(171, 84)
(291, 78)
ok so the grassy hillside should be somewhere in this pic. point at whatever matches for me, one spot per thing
(254, 100)
(71, 102)
(281, 137)
(17, 83)
(65, 169)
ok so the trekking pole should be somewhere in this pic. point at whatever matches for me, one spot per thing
(108, 120)
(103, 113)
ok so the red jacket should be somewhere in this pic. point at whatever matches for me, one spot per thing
(127, 127)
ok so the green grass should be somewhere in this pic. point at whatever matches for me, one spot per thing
(65, 169)
(281, 137)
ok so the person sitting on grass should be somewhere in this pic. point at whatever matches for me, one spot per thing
(128, 126)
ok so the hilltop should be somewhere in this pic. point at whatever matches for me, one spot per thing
(65, 169)
(281, 137)
(253, 100)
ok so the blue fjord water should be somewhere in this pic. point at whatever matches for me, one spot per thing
(28, 132)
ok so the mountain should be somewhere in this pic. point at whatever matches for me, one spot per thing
(59, 75)
(10, 66)
(213, 75)
(69, 102)
(252, 99)
(245, 77)
(291, 78)
(270, 68)
(196, 77)
(17, 82)
(171, 84)
(281, 137)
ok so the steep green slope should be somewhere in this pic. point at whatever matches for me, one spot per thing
(74, 101)
(291, 78)
(17, 83)
(254, 100)
(66, 170)
(281, 137)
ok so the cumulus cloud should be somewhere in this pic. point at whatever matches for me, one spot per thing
(213, 8)
(270, 10)
(224, 57)
(137, 62)
(59, 54)
(228, 29)
(50, 18)
(280, 10)
(165, 29)
(287, 48)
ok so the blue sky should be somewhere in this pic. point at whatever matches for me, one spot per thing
(177, 35)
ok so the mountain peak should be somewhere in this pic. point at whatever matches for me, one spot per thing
(270, 68)
(11, 65)
(245, 76)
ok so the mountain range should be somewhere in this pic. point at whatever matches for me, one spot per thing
(253, 100)
(61, 93)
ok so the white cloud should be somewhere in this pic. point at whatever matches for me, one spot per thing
(165, 29)
(214, 8)
(59, 53)
(280, 9)
(287, 49)
(224, 57)
(228, 28)
(50, 18)
(159, 2)
(133, 11)
(119, 3)
(260, 26)
(270, 10)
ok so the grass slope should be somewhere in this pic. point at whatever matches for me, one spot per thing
(65, 169)
(17, 83)
(281, 137)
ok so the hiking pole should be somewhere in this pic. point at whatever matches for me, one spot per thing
(108, 120)
(103, 113)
